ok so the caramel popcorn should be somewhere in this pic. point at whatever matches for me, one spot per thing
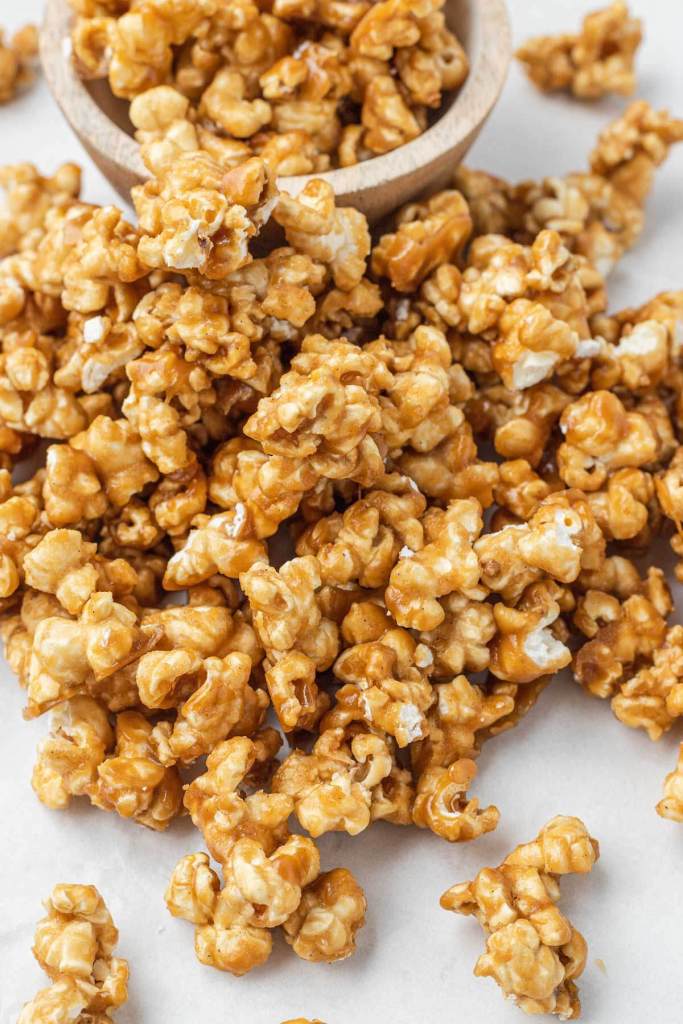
(446, 563)
(597, 60)
(328, 472)
(324, 926)
(671, 805)
(308, 85)
(74, 945)
(17, 58)
(532, 951)
(559, 540)
(621, 633)
(340, 785)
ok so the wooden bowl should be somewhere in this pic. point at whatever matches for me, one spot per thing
(376, 186)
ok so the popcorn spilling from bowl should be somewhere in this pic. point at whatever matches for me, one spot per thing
(456, 444)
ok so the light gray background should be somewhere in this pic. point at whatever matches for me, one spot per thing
(414, 962)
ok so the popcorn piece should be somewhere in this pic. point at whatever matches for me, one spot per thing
(532, 951)
(338, 787)
(221, 813)
(524, 647)
(17, 58)
(198, 217)
(223, 543)
(324, 926)
(133, 781)
(80, 737)
(223, 705)
(596, 61)
(286, 610)
(363, 544)
(441, 803)
(445, 564)
(621, 632)
(671, 806)
(337, 237)
(601, 436)
(385, 677)
(74, 944)
(653, 698)
(559, 540)
(630, 149)
(428, 236)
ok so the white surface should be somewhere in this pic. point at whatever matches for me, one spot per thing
(570, 755)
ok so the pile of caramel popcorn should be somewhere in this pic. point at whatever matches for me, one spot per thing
(17, 60)
(293, 481)
(74, 945)
(592, 63)
(306, 84)
(532, 951)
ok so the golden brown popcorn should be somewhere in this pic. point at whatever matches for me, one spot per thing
(500, 271)
(525, 647)
(532, 344)
(72, 491)
(68, 759)
(192, 894)
(223, 705)
(428, 235)
(198, 217)
(74, 945)
(602, 435)
(338, 787)
(260, 892)
(388, 120)
(630, 148)
(28, 198)
(118, 458)
(362, 544)
(133, 781)
(596, 61)
(286, 612)
(323, 416)
(621, 633)
(671, 805)
(337, 237)
(446, 563)
(324, 925)
(652, 698)
(94, 654)
(626, 505)
(220, 811)
(17, 58)
(64, 565)
(532, 951)
(461, 641)
(224, 543)
(521, 421)
(386, 675)
(560, 539)
(442, 805)
(453, 469)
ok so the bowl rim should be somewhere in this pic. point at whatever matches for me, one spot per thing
(471, 105)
